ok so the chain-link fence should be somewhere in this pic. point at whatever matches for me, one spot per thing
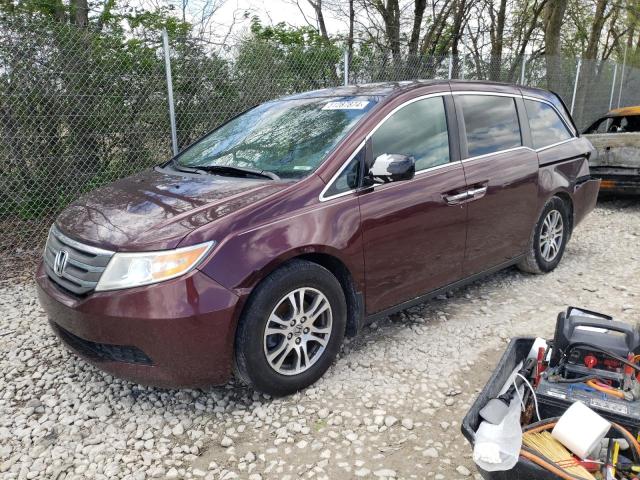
(82, 107)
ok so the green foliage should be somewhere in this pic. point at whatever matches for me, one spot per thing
(277, 60)
(81, 107)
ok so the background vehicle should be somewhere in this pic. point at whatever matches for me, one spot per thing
(296, 223)
(616, 136)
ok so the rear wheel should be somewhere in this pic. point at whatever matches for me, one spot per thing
(549, 238)
(291, 329)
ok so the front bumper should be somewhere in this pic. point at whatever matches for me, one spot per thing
(178, 333)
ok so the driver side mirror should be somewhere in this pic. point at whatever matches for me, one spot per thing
(393, 167)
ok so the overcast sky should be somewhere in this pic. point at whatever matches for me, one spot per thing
(269, 11)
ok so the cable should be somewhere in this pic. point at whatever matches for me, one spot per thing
(608, 391)
(533, 392)
(601, 350)
(547, 464)
(549, 423)
(572, 380)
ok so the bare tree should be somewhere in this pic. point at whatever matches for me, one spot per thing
(389, 10)
(418, 15)
(317, 8)
(434, 34)
(498, 19)
(554, 15)
(352, 16)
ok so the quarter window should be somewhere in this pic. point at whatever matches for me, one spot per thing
(491, 123)
(418, 130)
(547, 127)
(349, 178)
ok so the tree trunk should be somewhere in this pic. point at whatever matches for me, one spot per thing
(80, 12)
(434, 33)
(456, 35)
(389, 10)
(524, 41)
(59, 12)
(352, 18)
(317, 8)
(554, 15)
(497, 32)
(418, 15)
(589, 68)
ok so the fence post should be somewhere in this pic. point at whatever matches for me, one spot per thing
(624, 64)
(524, 66)
(575, 85)
(346, 68)
(613, 85)
(450, 65)
(172, 113)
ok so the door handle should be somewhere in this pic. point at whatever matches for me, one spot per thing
(457, 198)
(477, 193)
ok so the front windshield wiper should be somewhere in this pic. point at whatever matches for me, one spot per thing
(225, 169)
(228, 170)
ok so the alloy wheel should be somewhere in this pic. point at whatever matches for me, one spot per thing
(551, 235)
(298, 331)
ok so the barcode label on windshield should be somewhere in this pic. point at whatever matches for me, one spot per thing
(345, 105)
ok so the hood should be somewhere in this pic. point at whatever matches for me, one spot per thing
(155, 209)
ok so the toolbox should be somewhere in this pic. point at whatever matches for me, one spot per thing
(592, 360)
(516, 351)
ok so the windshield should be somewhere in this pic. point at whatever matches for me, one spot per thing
(615, 125)
(290, 138)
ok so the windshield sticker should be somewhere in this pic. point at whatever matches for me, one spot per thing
(346, 105)
(302, 167)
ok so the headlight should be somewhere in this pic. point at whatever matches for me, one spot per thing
(126, 270)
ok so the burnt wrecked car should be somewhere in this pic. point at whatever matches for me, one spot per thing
(258, 248)
(616, 136)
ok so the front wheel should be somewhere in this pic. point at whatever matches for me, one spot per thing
(549, 238)
(291, 329)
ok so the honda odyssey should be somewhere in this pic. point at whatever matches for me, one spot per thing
(259, 247)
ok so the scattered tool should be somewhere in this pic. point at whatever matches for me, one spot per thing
(497, 408)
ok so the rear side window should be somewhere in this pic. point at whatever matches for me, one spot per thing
(418, 130)
(491, 123)
(546, 126)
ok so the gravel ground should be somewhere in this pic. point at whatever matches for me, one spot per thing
(389, 408)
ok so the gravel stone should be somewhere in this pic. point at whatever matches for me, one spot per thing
(407, 423)
(462, 470)
(63, 419)
(226, 442)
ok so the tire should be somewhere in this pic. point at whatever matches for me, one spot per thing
(543, 256)
(271, 306)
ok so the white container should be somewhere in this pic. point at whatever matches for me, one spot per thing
(580, 429)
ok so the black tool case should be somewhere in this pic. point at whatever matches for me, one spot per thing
(516, 352)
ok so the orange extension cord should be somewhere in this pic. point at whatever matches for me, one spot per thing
(554, 468)
(608, 391)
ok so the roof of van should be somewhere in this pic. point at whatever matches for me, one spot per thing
(383, 89)
(379, 89)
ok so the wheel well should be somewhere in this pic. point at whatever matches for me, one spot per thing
(355, 307)
(566, 198)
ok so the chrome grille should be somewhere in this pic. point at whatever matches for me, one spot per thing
(84, 264)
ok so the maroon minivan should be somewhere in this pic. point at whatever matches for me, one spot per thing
(259, 247)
